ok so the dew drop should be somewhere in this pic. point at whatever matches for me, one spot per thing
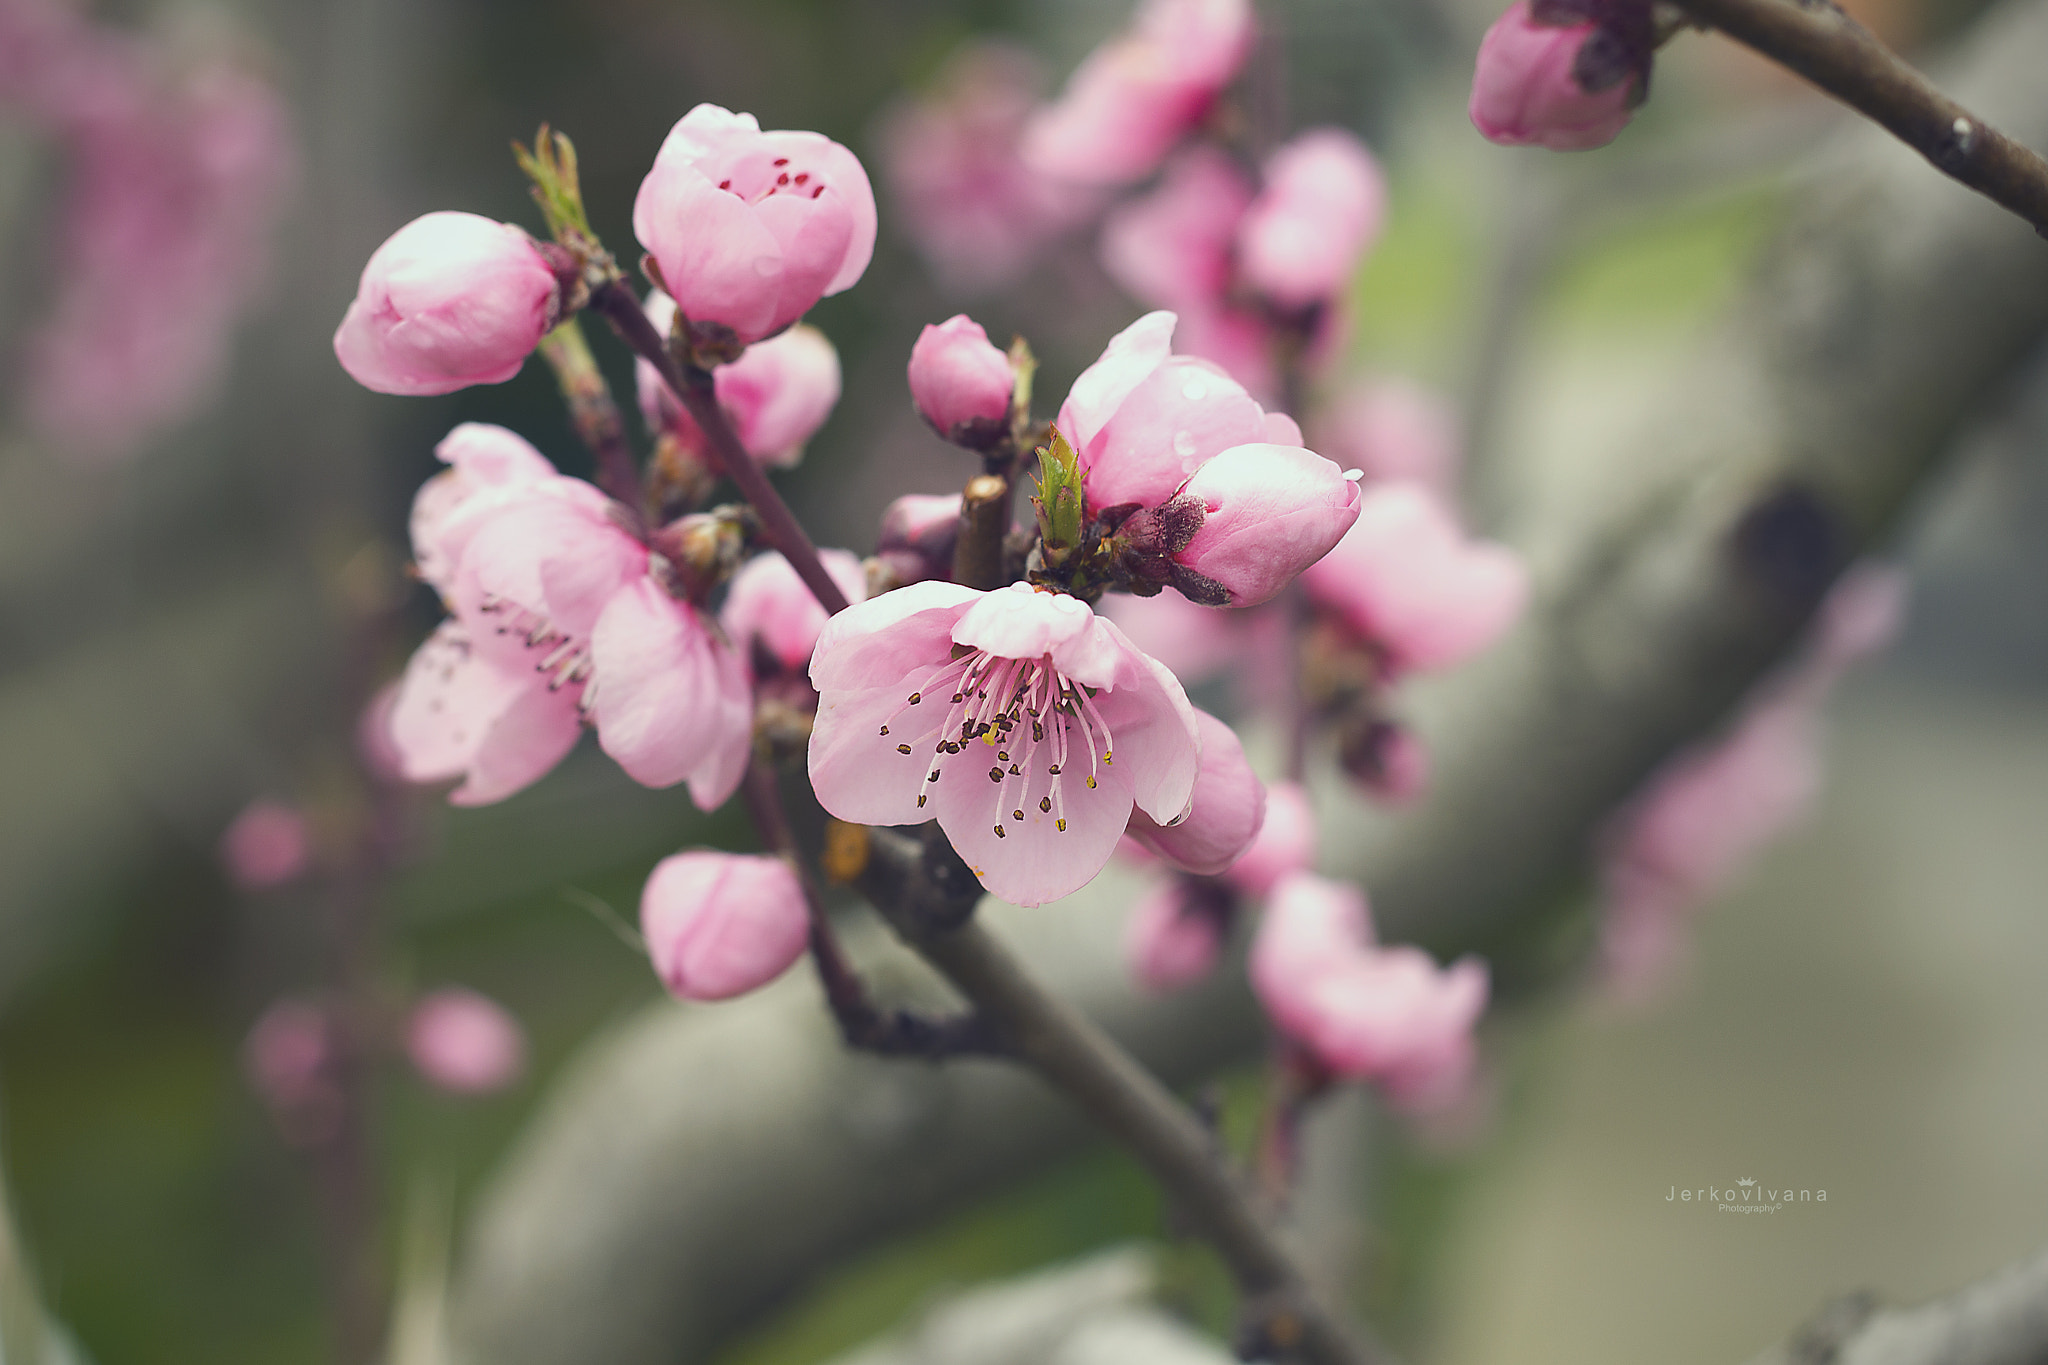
(1184, 444)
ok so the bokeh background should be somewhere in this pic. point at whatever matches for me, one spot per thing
(1863, 1014)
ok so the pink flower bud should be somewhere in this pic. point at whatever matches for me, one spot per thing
(1270, 512)
(751, 228)
(1175, 934)
(267, 845)
(769, 604)
(961, 383)
(722, 924)
(450, 300)
(1322, 206)
(776, 395)
(1524, 93)
(1388, 760)
(289, 1058)
(1229, 806)
(918, 533)
(1286, 842)
(465, 1042)
(1406, 580)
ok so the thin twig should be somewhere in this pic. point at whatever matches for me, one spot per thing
(592, 411)
(923, 898)
(693, 389)
(1834, 52)
(894, 1032)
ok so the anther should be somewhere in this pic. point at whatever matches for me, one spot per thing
(885, 729)
(1060, 825)
(995, 774)
(1001, 833)
(903, 748)
(1016, 815)
(916, 697)
(1091, 784)
(920, 803)
(1045, 804)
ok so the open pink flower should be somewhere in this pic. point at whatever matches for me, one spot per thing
(751, 228)
(776, 395)
(1143, 419)
(450, 300)
(1134, 97)
(922, 687)
(267, 845)
(1524, 91)
(1407, 581)
(722, 924)
(769, 605)
(1322, 205)
(559, 613)
(1366, 1012)
(464, 1042)
(1224, 816)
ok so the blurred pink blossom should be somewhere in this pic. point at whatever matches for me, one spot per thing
(289, 1058)
(1135, 96)
(1174, 246)
(750, 229)
(1286, 842)
(1320, 208)
(174, 181)
(1196, 642)
(917, 536)
(1408, 582)
(267, 845)
(1174, 935)
(777, 394)
(1392, 429)
(464, 1042)
(719, 925)
(1524, 91)
(920, 687)
(976, 212)
(1365, 1012)
(767, 604)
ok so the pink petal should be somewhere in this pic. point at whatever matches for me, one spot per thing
(1032, 861)
(1227, 810)
(668, 692)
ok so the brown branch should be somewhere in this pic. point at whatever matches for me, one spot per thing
(928, 903)
(864, 1025)
(693, 389)
(984, 522)
(1839, 55)
(592, 411)
(1999, 1320)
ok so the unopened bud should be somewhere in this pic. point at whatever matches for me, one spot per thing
(722, 924)
(961, 383)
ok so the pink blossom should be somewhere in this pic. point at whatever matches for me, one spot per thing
(776, 395)
(1076, 725)
(1270, 511)
(558, 612)
(1174, 935)
(769, 605)
(976, 212)
(751, 228)
(1143, 419)
(172, 190)
(722, 924)
(1859, 617)
(1393, 429)
(267, 845)
(289, 1058)
(1322, 206)
(1134, 97)
(1227, 809)
(1174, 247)
(1365, 1012)
(918, 533)
(1286, 842)
(1524, 92)
(465, 1042)
(452, 299)
(1407, 581)
(961, 383)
